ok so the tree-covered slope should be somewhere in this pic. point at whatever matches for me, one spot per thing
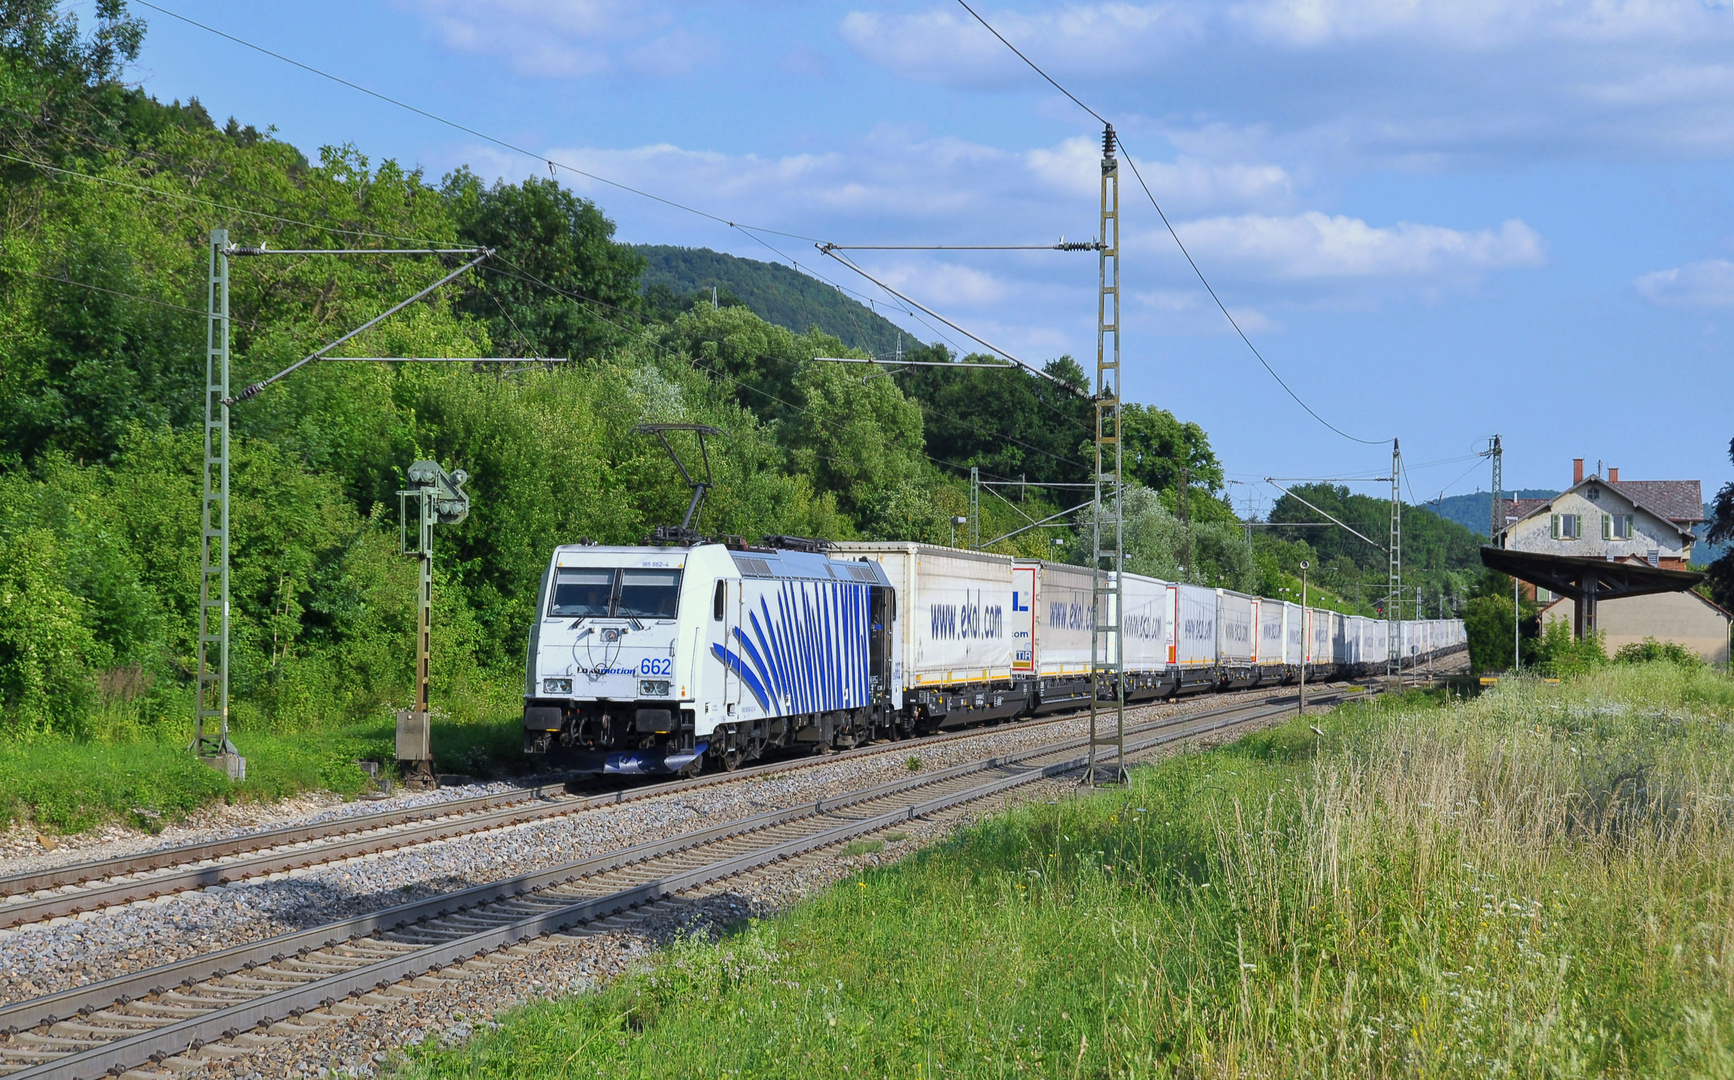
(777, 294)
(1472, 511)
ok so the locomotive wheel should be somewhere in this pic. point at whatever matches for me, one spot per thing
(731, 760)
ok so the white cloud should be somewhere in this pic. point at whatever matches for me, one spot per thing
(1074, 167)
(942, 284)
(1416, 83)
(1312, 246)
(569, 39)
(1709, 283)
(1192, 311)
(1463, 24)
(945, 44)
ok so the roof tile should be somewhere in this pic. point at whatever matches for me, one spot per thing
(1680, 501)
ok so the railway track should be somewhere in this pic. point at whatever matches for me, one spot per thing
(133, 1021)
(36, 896)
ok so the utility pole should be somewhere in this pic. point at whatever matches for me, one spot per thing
(1394, 601)
(974, 508)
(212, 704)
(1107, 644)
(1306, 638)
(1497, 516)
(1185, 513)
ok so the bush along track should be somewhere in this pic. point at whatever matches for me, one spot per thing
(1539, 881)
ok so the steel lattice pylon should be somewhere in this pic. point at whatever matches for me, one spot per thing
(1394, 599)
(212, 704)
(1497, 518)
(1107, 645)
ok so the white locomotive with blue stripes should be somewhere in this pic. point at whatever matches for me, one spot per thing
(665, 658)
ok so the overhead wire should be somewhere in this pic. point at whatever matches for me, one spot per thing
(1190, 261)
(171, 163)
(826, 249)
(694, 361)
(523, 275)
(116, 292)
(745, 229)
(147, 189)
(349, 232)
(466, 129)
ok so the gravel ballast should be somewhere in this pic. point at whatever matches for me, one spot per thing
(47, 957)
(363, 1037)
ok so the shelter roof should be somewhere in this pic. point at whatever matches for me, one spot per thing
(1582, 575)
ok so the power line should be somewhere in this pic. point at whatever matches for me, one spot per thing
(523, 275)
(147, 189)
(1033, 66)
(745, 229)
(117, 292)
(1177, 241)
(515, 148)
(171, 163)
(1064, 245)
(361, 232)
(831, 251)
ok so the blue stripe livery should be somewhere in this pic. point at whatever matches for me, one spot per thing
(804, 652)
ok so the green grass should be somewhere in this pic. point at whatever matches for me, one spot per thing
(67, 785)
(1536, 882)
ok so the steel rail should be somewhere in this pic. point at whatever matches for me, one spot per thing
(100, 869)
(67, 1002)
(169, 1037)
(445, 819)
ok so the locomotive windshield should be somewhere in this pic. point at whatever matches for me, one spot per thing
(599, 592)
(648, 594)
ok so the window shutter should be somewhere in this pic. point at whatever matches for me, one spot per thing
(1628, 526)
(1556, 526)
(1607, 527)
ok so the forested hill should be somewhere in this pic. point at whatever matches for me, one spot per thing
(775, 293)
(1442, 558)
(1472, 511)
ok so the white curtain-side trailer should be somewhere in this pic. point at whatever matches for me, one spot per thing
(1051, 626)
(1194, 652)
(1149, 628)
(955, 630)
(1236, 638)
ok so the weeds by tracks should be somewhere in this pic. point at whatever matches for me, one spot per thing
(1536, 882)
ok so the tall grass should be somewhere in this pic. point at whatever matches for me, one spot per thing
(129, 762)
(1538, 882)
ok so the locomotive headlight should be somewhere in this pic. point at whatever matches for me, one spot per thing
(556, 686)
(653, 688)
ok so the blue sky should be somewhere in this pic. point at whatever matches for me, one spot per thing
(1436, 220)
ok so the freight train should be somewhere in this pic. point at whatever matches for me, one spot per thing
(664, 659)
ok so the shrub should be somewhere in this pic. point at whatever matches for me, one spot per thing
(1650, 650)
(1562, 655)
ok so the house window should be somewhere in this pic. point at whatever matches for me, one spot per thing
(1567, 526)
(1543, 596)
(1619, 527)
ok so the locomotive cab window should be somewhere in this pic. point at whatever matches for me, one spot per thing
(720, 602)
(582, 593)
(648, 594)
(593, 593)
